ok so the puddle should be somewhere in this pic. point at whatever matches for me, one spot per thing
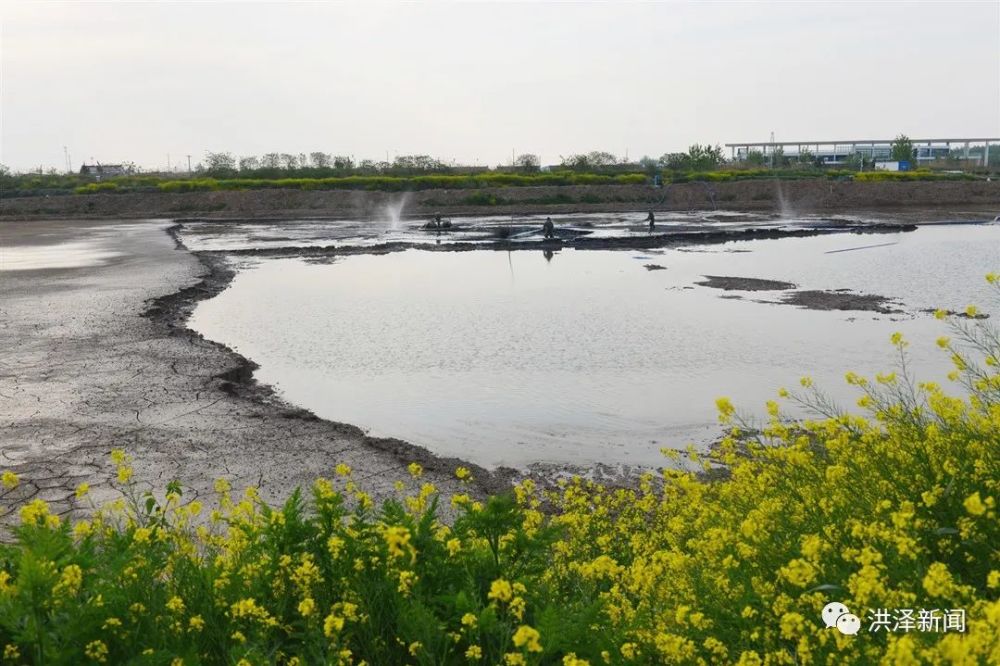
(578, 357)
(62, 255)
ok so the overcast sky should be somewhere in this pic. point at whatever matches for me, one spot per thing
(471, 82)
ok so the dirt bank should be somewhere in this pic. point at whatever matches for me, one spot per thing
(805, 196)
(841, 300)
(97, 357)
(728, 283)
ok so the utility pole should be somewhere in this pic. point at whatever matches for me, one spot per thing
(69, 164)
(168, 162)
(772, 150)
(189, 165)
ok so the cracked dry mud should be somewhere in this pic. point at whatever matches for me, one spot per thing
(84, 370)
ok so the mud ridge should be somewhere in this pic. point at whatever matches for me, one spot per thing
(581, 243)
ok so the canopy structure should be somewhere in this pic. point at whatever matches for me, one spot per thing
(838, 151)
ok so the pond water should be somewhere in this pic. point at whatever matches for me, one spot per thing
(586, 356)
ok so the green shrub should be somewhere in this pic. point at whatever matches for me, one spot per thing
(94, 188)
(918, 175)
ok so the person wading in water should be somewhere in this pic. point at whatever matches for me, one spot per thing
(549, 228)
(651, 219)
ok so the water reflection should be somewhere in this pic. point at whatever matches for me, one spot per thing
(501, 359)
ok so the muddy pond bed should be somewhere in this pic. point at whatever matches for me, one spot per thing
(574, 357)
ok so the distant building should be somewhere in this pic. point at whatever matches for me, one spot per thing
(834, 153)
(102, 171)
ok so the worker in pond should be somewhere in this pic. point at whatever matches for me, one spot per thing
(549, 228)
(651, 219)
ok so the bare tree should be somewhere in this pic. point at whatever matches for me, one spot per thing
(320, 160)
(270, 161)
(344, 162)
(249, 163)
(289, 161)
(527, 162)
(220, 164)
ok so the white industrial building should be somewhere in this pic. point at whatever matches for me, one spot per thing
(838, 152)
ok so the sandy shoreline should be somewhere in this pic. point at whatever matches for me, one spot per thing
(86, 370)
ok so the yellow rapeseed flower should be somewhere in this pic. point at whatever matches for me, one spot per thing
(474, 653)
(69, 583)
(332, 625)
(36, 512)
(397, 538)
(527, 638)
(500, 590)
(11, 652)
(97, 650)
(406, 581)
(974, 504)
(415, 470)
(307, 606)
(335, 545)
(9, 480)
(938, 582)
(124, 474)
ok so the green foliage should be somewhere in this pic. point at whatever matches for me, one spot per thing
(596, 160)
(397, 184)
(917, 175)
(697, 158)
(220, 165)
(902, 149)
(756, 158)
(94, 188)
